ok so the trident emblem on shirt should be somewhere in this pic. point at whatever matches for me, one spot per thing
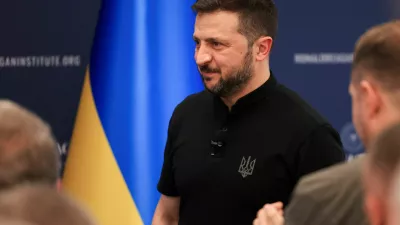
(247, 166)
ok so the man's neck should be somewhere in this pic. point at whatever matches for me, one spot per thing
(388, 119)
(256, 81)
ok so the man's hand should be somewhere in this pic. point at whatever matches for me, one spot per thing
(270, 214)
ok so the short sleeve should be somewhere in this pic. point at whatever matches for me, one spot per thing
(321, 149)
(166, 184)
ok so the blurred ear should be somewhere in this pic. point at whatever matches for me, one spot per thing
(372, 210)
(372, 100)
(375, 207)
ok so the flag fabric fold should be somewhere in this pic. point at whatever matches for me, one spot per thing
(141, 67)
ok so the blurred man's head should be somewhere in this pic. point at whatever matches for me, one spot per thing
(8, 221)
(233, 42)
(375, 80)
(379, 173)
(28, 152)
(41, 205)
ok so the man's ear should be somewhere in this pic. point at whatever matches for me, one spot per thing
(263, 48)
(373, 100)
(375, 210)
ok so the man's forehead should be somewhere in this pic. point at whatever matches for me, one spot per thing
(216, 23)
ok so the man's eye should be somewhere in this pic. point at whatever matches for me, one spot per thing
(216, 44)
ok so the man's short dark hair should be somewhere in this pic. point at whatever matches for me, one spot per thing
(378, 52)
(257, 18)
(28, 150)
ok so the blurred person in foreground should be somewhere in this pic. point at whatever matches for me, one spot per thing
(41, 205)
(246, 139)
(29, 171)
(8, 221)
(28, 150)
(380, 178)
(393, 216)
(335, 196)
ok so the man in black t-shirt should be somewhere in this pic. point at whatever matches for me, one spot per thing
(245, 140)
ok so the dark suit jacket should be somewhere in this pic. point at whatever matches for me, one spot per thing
(332, 196)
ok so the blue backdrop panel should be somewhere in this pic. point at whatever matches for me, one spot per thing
(44, 51)
(313, 54)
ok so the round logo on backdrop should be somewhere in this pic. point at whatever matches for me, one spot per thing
(350, 139)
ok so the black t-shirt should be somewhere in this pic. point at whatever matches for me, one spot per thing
(225, 165)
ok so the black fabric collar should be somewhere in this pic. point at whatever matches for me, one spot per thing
(253, 97)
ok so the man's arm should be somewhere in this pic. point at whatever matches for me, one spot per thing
(167, 211)
(323, 148)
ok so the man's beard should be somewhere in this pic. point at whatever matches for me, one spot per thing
(234, 82)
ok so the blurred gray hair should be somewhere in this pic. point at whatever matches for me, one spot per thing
(28, 150)
(42, 205)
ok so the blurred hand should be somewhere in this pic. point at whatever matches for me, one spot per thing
(278, 206)
(270, 214)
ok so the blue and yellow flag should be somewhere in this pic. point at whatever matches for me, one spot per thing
(142, 66)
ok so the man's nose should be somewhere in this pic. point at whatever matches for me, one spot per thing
(202, 56)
